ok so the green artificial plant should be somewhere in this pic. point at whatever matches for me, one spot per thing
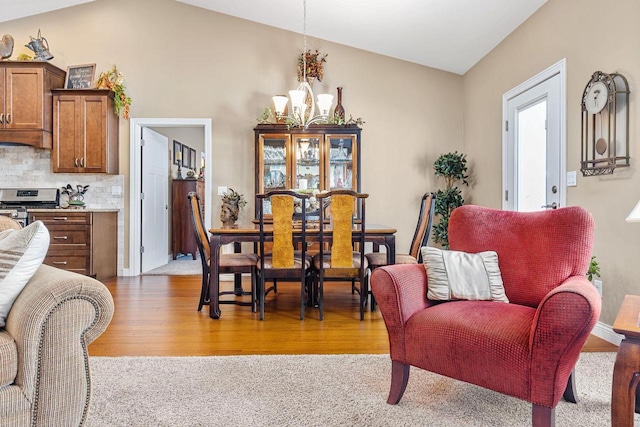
(594, 269)
(453, 167)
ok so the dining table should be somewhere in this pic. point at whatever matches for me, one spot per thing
(379, 235)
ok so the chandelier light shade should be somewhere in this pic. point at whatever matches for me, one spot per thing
(298, 114)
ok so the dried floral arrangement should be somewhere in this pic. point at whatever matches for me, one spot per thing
(314, 62)
(114, 80)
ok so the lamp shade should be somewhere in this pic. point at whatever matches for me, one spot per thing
(324, 103)
(280, 103)
(634, 216)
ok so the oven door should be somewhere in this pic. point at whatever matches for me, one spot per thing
(15, 215)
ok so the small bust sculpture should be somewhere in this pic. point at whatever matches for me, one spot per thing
(232, 203)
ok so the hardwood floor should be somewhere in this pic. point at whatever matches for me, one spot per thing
(157, 316)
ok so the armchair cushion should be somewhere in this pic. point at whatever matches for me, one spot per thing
(21, 253)
(9, 358)
(455, 275)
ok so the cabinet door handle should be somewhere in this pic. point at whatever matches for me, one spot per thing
(60, 237)
(1, 117)
(59, 262)
(82, 162)
(75, 162)
(8, 118)
(59, 218)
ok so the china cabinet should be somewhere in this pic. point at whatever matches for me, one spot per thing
(322, 157)
(25, 101)
(85, 131)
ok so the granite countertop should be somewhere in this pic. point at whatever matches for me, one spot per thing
(73, 210)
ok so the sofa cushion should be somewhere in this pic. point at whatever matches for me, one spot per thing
(8, 359)
(21, 253)
(455, 275)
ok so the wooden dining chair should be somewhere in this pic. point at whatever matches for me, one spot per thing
(283, 262)
(420, 237)
(337, 260)
(234, 263)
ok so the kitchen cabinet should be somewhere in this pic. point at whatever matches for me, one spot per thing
(322, 157)
(26, 103)
(85, 131)
(183, 238)
(85, 242)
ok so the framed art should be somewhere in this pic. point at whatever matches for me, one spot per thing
(80, 76)
(194, 163)
(177, 152)
(186, 157)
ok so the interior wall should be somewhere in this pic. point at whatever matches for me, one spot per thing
(591, 38)
(183, 61)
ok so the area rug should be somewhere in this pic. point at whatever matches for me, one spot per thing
(316, 390)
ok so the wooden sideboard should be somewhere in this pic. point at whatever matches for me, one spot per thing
(82, 241)
(183, 239)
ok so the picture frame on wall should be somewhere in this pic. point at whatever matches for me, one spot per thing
(177, 148)
(194, 163)
(186, 156)
(80, 76)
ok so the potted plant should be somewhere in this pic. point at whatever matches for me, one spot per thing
(594, 269)
(232, 203)
(453, 167)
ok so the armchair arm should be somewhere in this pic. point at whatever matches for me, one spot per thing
(52, 321)
(400, 291)
(563, 321)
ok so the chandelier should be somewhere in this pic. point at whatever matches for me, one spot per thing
(299, 115)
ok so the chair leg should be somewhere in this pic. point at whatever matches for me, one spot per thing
(399, 380)
(204, 291)
(303, 302)
(261, 295)
(364, 294)
(571, 393)
(321, 296)
(254, 292)
(542, 416)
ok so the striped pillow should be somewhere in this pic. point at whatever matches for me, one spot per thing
(21, 253)
(454, 275)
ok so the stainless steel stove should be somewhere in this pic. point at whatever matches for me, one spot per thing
(15, 202)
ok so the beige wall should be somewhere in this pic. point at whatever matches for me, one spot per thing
(591, 37)
(185, 62)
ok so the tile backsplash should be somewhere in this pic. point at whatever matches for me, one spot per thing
(27, 167)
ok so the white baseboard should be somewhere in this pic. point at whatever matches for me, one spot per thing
(607, 333)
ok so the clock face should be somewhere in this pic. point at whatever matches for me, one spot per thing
(597, 97)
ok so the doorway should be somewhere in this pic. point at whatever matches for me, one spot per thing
(534, 143)
(137, 239)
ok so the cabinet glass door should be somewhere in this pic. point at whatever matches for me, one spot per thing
(274, 169)
(307, 173)
(342, 171)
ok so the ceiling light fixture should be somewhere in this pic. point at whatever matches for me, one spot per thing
(299, 115)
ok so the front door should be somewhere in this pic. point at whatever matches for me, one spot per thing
(533, 146)
(154, 200)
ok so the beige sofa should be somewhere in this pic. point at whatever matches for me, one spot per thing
(44, 363)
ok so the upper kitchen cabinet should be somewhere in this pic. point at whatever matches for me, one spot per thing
(85, 131)
(25, 101)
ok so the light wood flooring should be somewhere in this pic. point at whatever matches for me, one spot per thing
(157, 316)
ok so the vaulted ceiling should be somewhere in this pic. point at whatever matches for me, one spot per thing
(451, 35)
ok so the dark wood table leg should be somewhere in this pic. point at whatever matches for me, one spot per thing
(214, 278)
(626, 377)
(237, 278)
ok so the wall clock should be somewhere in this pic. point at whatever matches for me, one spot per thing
(605, 124)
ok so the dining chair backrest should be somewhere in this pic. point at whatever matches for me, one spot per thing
(282, 238)
(423, 228)
(346, 205)
(201, 235)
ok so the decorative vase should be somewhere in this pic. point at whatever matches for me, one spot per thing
(338, 113)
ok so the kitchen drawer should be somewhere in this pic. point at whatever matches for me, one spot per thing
(77, 261)
(60, 217)
(69, 235)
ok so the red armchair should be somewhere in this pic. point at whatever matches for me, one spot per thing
(526, 348)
